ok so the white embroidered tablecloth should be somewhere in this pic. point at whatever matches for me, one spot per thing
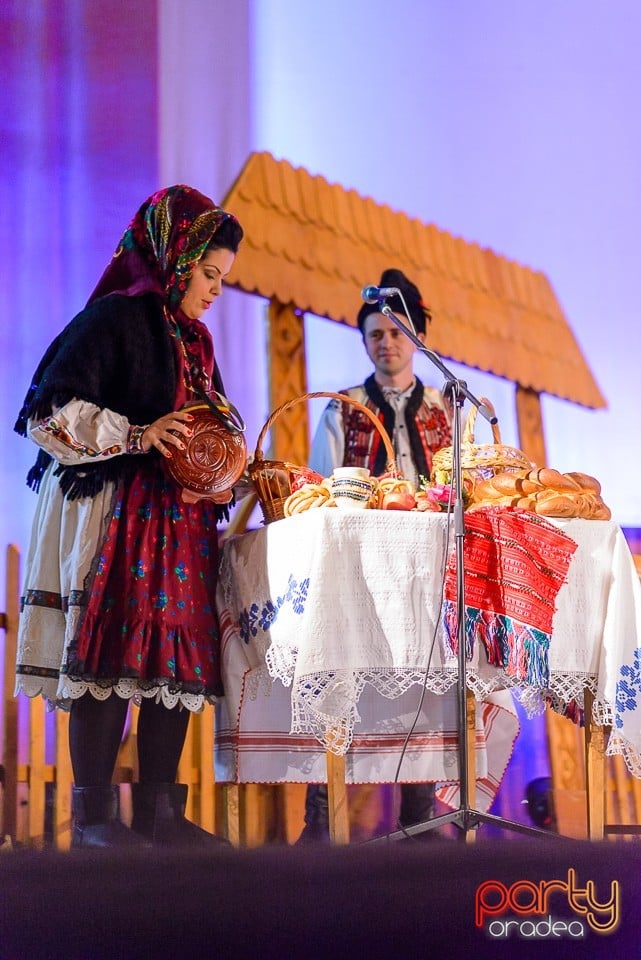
(344, 609)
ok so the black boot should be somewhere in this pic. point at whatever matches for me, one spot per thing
(159, 815)
(417, 803)
(417, 806)
(316, 829)
(96, 822)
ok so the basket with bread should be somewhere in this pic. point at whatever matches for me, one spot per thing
(283, 488)
(544, 491)
(479, 461)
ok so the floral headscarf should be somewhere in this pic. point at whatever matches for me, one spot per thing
(161, 245)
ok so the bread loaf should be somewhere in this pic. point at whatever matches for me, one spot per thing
(586, 481)
(556, 506)
(544, 491)
(554, 480)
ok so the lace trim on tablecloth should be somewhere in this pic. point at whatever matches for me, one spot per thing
(334, 728)
(325, 704)
(564, 694)
(258, 682)
(618, 745)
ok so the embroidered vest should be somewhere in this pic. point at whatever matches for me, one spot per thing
(426, 417)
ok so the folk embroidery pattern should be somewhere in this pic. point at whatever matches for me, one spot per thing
(262, 616)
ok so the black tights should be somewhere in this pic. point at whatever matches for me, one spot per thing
(95, 733)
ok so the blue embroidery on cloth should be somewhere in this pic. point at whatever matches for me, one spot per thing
(262, 617)
(628, 689)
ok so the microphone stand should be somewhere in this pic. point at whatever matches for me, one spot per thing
(465, 817)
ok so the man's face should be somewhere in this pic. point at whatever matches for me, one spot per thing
(387, 347)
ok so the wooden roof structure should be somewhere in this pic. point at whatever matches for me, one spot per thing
(314, 245)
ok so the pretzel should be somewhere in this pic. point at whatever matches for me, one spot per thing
(308, 497)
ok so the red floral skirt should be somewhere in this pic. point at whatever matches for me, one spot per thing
(151, 613)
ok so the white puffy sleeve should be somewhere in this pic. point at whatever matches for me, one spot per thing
(328, 444)
(80, 432)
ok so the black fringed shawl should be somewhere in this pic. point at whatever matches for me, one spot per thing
(117, 354)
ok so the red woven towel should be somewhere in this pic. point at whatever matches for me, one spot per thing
(515, 564)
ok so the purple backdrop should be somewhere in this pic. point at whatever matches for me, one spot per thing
(513, 125)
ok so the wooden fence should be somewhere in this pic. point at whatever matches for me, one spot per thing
(36, 769)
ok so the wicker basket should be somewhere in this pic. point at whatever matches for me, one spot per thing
(274, 479)
(479, 461)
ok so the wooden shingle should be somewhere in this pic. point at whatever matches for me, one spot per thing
(315, 245)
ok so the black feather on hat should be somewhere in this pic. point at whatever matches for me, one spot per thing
(418, 312)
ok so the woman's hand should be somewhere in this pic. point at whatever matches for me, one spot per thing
(165, 433)
(223, 496)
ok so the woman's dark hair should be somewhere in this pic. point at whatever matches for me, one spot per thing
(419, 313)
(227, 237)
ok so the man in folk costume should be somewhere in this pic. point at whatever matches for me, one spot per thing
(418, 421)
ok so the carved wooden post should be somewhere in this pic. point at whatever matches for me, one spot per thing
(287, 379)
(530, 425)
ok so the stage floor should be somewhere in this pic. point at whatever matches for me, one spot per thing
(400, 900)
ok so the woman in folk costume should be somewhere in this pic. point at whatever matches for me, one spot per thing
(118, 598)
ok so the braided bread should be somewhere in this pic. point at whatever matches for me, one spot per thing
(546, 492)
(308, 497)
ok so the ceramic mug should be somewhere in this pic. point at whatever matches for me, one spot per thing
(352, 487)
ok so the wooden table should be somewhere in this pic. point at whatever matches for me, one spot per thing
(328, 621)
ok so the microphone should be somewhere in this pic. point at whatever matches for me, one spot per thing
(376, 294)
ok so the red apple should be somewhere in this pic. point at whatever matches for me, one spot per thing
(398, 500)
